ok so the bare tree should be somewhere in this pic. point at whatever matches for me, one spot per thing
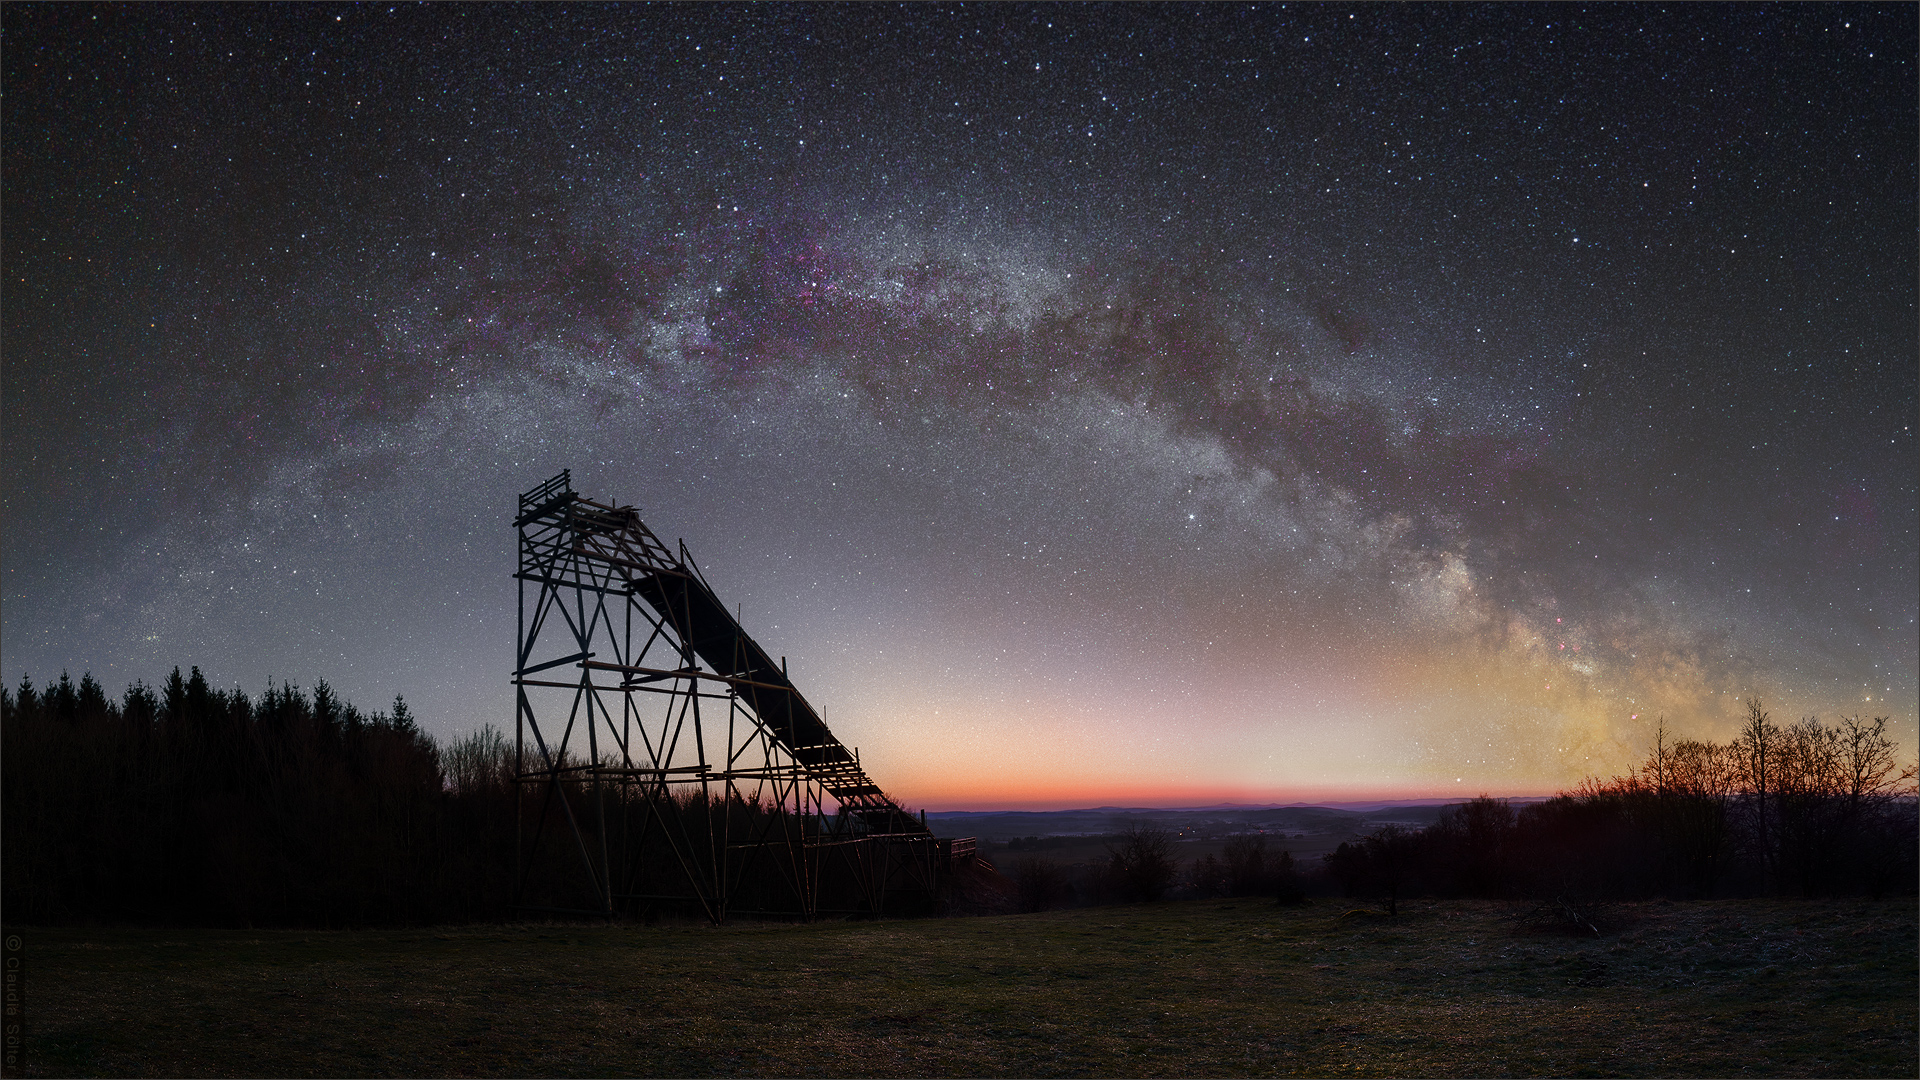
(480, 762)
(1041, 883)
(1383, 863)
(1699, 783)
(1248, 869)
(1877, 791)
(1207, 876)
(1759, 744)
(1866, 760)
(1287, 886)
(1142, 861)
(1393, 852)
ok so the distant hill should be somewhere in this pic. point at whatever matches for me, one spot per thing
(1222, 819)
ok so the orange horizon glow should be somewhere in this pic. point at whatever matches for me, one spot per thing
(1094, 796)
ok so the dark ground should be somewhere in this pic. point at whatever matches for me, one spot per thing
(1209, 987)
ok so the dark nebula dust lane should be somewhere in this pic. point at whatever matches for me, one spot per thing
(1159, 403)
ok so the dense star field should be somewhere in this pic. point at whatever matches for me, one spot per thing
(1138, 404)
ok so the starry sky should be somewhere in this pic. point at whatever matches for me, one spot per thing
(1143, 405)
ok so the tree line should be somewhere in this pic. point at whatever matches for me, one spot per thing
(1140, 864)
(1804, 809)
(188, 804)
(185, 804)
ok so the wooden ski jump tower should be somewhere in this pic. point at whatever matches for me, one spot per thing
(664, 759)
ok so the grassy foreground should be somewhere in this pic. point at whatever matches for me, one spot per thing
(1215, 988)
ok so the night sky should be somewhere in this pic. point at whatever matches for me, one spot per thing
(1135, 405)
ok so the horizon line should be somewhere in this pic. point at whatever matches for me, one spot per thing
(1329, 804)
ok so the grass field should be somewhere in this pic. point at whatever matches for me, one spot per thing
(1213, 987)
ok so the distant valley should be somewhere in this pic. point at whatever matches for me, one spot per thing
(1326, 821)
